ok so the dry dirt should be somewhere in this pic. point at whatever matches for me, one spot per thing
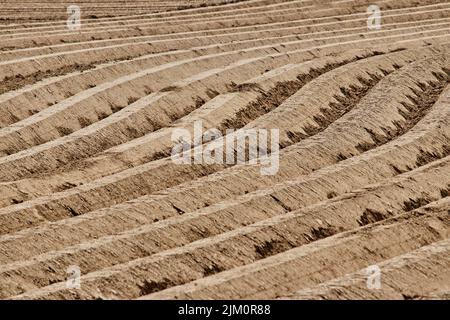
(86, 122)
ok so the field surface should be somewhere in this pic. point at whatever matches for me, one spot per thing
(87, 182)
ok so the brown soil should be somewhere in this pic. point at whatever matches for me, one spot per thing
(86, 177)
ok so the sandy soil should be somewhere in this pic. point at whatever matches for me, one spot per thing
(86, 123)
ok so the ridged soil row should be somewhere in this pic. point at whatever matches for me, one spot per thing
(120, 18)
(129, 121)
(37, 106)
(267, 16)
(208, 112)
(258, 231)
(122, 123)
(123, 20)
(27, 101)
(39, 99)
(304, 114)
(220, 7)
(307, 265)
(175, 201)
(323, 184)
(67, 129)
(178, 172)
(317, 24)
(45, 63)
(236, 18)
(243, 247)
(26, 12)
(124, 57)
(419, 274)
(131, 85)
(100, 193)
(221, 35)
(247, 7)
(38, 116)
(91, 173)
(9, 108)
(130, 29)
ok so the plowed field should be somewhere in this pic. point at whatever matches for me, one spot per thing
(88, 181)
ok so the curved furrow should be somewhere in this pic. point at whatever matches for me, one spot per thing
(222, 185)
(144, 115)
(129, 27)
(94, 170)
(299, 26)
(118, 17)
(204, 11)
(189, 67)
(45, 63)
(41, 99)
(262, 215)
(20, 114)
(33, 123)
(331, 20)
(161, 15)
(214, 80)
(24, 112)
(165, 256)
(310, 264)
(415, 275)
(354, 175)
(120, 183)
(262, 13)
(189, 24)
(266, 16)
